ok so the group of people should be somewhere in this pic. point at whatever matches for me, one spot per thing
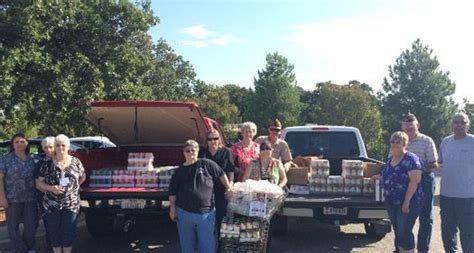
(408, 181)
(41, 186)
(205, 180)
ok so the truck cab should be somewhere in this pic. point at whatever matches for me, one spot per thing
(334, 143)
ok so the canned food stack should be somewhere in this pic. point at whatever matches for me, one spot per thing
(368, 188)
(140, 161)
(101, 178)
(123, 178)
(147, 179)
(335, 185)
(164, 176)
(240, 229)
(319, 173)
(353, 173)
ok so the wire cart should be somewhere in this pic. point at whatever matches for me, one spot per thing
(241, 232)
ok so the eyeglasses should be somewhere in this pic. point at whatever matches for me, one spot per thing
(60, 145)
(275, 129)
(190, 150)
(456, 122)
(263, 149)
(213, 139)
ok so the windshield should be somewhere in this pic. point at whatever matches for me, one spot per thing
(328, 144)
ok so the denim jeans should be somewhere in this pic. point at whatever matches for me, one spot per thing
(428, 185)
(403, 223)
(192, 224)
(457, 213)
(26, 213)
(61, 226)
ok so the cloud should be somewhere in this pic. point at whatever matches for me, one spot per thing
(202, 37)
(362, 47)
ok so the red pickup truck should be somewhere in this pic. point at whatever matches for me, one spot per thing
(158, 127)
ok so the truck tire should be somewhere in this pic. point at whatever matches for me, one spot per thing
(372, 232)
(98, 224)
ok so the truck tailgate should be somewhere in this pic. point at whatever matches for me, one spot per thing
(88, 193)
(293, 200)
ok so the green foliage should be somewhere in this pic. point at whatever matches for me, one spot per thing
(469, 110)
(418, 86)
(171, 77)
(56, 57)
(348, 105)
(275, 95)
(239, 96)
(214, 102)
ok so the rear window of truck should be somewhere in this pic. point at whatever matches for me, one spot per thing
(328, 144)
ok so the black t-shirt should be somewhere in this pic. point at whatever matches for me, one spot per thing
(193, 185)
(223, 158)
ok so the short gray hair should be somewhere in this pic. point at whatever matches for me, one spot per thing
(47, 140)
(191, 143)
(463, 115)
(250, 126)
(62, 138)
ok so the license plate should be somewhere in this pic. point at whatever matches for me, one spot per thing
(334, 211)
(132, 204)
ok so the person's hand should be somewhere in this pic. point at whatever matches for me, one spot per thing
(3, 202)
(406, 207)
(229, 193)
(374, 178)
(173, 213)
(56, 189)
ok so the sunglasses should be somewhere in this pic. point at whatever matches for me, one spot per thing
(190, 151)
(460, 122)
(275, 130)
(263, 149)
(213, 139)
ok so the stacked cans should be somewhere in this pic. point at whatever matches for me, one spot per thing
(101, 178)
(147, 179)
(123, 178)
(368, 188)
(335, 185)
(353, 173)
(140, 161)
(164, 176)
(319, 173)
(240, 229)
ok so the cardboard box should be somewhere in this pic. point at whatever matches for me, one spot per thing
(304, 161)
(371, 169)
(298, 175)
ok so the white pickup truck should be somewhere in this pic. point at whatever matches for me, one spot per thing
(334, 143)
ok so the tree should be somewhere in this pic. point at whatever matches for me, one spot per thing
(239, 97)
(348, 105)
(418, 86)
(171, 77)
(469, 110)
(275, 95)
(58, 56)
(214, 102)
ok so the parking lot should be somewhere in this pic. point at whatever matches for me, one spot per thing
(305, 235)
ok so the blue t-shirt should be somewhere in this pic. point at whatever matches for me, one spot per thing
(395, 179)
(19, 178)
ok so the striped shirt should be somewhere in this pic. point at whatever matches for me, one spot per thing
(423, 146)
(52, 176)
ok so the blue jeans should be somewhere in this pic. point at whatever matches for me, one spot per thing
(192, 224)
(403, 223)
(428, 185)
(457, 213)
(61, 226)
(26, 213)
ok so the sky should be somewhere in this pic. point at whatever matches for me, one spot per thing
(226, 41)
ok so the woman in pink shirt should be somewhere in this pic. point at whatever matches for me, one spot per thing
(245, 150)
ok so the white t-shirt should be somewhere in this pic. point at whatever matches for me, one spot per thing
(457, 172)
